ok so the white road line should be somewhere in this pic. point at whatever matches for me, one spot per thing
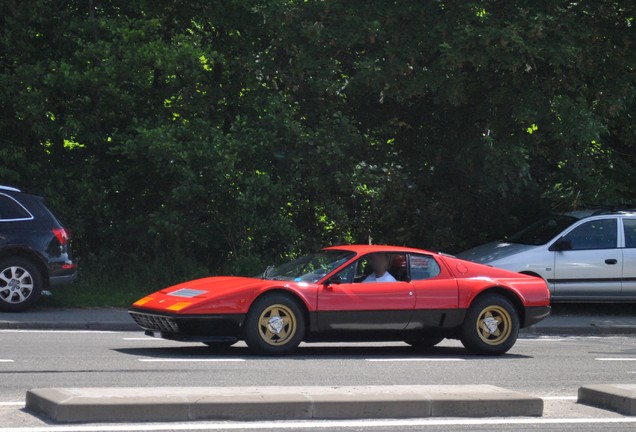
(168, 360)
(318, 424)
(556, 398)
(616, 359)
(6, 361)
(416, 360)
(147, 338)
(55, 331)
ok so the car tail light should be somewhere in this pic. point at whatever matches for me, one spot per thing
(61, 235)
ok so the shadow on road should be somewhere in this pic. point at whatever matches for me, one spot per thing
(309, 352)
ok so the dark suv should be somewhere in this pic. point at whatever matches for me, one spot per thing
(35, 250)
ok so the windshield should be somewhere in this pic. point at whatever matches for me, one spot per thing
(543, 231)
(310, 268)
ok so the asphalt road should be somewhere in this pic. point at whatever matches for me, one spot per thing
(549, 367)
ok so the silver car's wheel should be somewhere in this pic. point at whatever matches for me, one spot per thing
(20, 284)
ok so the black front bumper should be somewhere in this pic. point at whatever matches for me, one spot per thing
(194, 328)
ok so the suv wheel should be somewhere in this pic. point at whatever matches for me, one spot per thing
(20, 284)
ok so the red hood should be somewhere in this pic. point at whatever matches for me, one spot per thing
(222, 294)
(213, 286)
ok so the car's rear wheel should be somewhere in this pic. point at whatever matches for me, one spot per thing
(274, 325)
(491, 326)
(20, 284)
(426, 342)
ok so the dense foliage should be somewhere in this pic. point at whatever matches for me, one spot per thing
(224, 134)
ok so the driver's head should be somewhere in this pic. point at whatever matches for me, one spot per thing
(380, 263)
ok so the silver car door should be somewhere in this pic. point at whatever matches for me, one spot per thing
(588, 263)
(629, 258)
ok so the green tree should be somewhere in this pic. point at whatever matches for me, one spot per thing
(225, 135)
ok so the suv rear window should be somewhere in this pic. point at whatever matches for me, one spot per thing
(11, 210)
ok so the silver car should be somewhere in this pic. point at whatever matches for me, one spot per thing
(583, 256)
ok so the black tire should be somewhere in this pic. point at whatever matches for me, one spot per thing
(427, 342)
(491, 326)
(20, 284)
(275, 325)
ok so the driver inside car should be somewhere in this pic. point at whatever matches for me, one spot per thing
(380, 263)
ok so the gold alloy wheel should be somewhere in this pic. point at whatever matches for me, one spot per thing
(494, 325)
(277, 324)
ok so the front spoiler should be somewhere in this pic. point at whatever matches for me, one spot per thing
(190, 338)
(196, 328)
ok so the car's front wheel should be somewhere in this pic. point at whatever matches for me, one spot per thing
(274, 325)
(20, 284)
(491, 326)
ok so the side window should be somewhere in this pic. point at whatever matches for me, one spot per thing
(423, 267)
(596, 234)
(630, 232)
(10, 209)
(347, 274)
(395, 264)
(356, 271)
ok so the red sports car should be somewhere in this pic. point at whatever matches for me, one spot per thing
(352, 293)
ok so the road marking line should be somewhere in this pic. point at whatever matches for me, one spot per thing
(320, 424)
(416, 360)
(556, 398)
(54, 331)
(168, 360)
(616, 359)
(6, 361)
(147, 338)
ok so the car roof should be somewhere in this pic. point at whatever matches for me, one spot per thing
(582, 214)
(9, 188)
(364, 249)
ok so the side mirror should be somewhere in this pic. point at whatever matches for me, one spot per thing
(334, 280)
(561, 245)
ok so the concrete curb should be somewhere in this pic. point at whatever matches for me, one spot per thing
(87, 405)
(101, 319)
(580, 330)
(620, 398)
(70, 325)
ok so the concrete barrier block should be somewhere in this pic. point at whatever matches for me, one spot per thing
(88, 405)
(615, 397)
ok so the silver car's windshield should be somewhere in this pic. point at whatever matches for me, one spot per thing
(543, 231)
(309, 268)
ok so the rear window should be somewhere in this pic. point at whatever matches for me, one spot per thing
(423, 267)
(11, 210)
(630, 232)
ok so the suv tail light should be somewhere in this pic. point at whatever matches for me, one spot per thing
(61, 235)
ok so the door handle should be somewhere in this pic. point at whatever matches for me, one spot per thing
(611, 261)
